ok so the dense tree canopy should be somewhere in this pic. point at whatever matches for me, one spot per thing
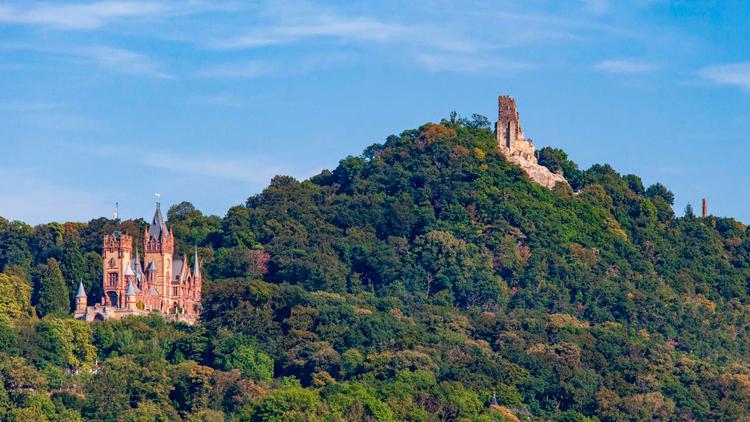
(409, 283)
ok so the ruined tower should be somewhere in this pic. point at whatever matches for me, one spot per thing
(518, 150)
(508, 126)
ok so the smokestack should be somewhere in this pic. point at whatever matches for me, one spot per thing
(705, 208)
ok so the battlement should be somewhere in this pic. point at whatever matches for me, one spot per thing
(506, 109)
(117, 241)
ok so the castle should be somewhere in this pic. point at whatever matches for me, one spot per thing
(159, 283)
(516, 148)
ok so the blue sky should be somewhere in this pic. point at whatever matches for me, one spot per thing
(205, 101)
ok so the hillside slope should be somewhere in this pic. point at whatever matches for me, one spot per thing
(409, 283)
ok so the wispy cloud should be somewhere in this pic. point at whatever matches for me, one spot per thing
(469, 64)
(29, 197)
(316, 25)
(122, 61)
(246, 69)
(247, 170)
(107, 58)
(733, 74)
(77, 16)
(626, 66)
(24, 106)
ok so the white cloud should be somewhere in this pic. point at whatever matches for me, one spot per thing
(77, 16)
(734, 74)
(625, 66)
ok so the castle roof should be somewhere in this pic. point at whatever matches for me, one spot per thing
(81, 290)
(158, 227)
(129, 270)
(137, 265)
(196, 270)
(131, 290)
(154, 292)
(177, 266)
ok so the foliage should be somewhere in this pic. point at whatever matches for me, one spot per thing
(409, 283)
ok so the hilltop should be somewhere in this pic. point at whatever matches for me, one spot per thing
(409, 283)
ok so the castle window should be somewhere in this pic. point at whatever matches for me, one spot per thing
(175, 291)
(113, 279)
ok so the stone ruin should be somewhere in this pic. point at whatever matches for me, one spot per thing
(516, 148)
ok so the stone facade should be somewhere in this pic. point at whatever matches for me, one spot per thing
(516, 148)
(159, 283)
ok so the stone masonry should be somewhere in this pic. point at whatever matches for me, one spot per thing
(516, 148)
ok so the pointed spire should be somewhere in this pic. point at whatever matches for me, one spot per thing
(196, 269)
(131, 289)
(137, 266)
(81, 290)
(129, 271)
(158, 228)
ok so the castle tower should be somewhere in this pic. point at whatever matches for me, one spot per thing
(116, 257)
(81, 299)
(158, 246)
(704, 211)
(130, 297)
(508, 127)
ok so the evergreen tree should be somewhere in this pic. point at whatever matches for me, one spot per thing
(72, 265)
(52, 293)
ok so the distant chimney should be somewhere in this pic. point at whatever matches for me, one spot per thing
(705, 208)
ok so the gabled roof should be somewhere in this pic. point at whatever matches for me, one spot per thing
(177, 265)
(154, 292)
(81, 290)
(158, 227)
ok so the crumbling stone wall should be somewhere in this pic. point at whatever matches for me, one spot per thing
(516, 148)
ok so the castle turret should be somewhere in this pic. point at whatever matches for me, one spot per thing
(130, 297)
(81, 299)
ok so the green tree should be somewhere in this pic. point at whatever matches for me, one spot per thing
(51, 290)
(72, 265)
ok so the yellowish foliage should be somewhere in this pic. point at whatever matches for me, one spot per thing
(566, 321)
(15, 298)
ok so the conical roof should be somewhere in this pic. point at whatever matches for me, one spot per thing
(131, 290)
(158, 227)
(81, 290)
(196, 270)
(129, 270)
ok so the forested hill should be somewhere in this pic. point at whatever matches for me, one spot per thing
(409, 283)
